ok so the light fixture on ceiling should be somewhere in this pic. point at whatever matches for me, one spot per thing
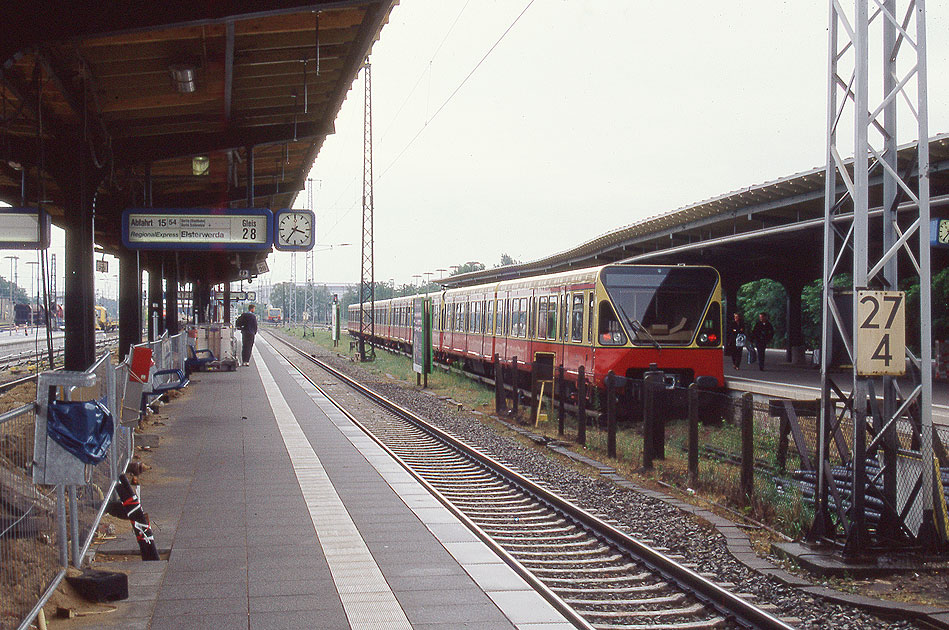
(183, 78)
(200, 165)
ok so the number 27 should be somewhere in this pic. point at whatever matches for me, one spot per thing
(894, 300)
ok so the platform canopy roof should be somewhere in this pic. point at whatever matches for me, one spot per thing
(150, 87)
(749, 233)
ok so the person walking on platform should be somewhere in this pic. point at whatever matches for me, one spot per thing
(247, 324)
(761, 336)
(735, 340)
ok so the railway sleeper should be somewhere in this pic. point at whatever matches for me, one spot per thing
(592, 582)
(569, 564)
(543, 554)
(676, 598)
(518, 539)
(549, 530)
(474, 503)
(652, 587)
(523, 511)
(553, 546)
(689, 611)
(581, 573)
(505, 494)
(497, 519)
(708, 624)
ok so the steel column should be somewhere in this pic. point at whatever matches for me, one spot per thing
(227, 303)
(171, 295)
(367, 285)
(130, 301)
(79, 304)
(875, 123)
(155, 297)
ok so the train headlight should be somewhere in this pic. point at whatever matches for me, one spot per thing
(703, 338)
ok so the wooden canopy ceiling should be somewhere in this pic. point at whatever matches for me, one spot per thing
(268, 77)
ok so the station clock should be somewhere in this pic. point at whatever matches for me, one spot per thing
(942, 232)
(294, 230)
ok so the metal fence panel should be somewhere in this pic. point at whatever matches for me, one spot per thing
(30, 541)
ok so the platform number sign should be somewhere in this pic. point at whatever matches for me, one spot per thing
(881, 333)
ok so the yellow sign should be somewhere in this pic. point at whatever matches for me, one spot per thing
(881, 333)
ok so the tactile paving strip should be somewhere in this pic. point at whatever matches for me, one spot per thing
(366, 597)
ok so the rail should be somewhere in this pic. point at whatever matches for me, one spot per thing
(729, 604)
(46, 525)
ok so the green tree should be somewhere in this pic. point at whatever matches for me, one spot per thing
(765, 296)
(19, 295)
(506, 260)
(812, 307)
(940, 308)
(468, 267)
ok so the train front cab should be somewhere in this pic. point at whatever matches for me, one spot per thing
(667, 315)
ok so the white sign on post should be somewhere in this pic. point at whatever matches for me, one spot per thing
(881, 333)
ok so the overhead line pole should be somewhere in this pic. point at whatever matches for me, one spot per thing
(904, 485)
(367, 288)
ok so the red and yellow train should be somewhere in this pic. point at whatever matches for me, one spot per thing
(616, 317)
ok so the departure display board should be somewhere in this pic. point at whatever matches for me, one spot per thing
(24, 228)
(198, 229)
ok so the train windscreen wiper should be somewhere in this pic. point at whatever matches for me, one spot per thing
(638, 325)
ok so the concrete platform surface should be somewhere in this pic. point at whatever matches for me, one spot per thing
(277, 512)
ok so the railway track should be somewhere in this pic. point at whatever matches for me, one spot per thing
(596, 574)
(7, 362)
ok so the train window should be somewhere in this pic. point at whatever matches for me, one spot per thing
(592, 303)
(609, 332)
(522, 317)
(516, 317)
(507, 317)
(531, 317)
(576, 318)
(542, 317)
(564, 324)
(552, 318)
(489, 324)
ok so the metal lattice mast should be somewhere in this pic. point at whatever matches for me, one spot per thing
(309, 300)
(367, 292)
(292, 306)
(906, 515)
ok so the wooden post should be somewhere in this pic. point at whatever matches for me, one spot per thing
(783, 441)
(693, 434)
(534, 391)
(747, 447)
(649, 414)
(611, 414)
(514, 391)
(581, 406)
(561, 395)
(500, 404)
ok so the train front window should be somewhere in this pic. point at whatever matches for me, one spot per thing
(610, 332)
(660, 305)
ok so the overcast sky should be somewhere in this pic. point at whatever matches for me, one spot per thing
(586, 117)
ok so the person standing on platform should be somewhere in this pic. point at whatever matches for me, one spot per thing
(735, 340)
(761, 336)
(247, 324)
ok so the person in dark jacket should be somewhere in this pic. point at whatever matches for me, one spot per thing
(247, 324)
(761, 336)
(735, 339)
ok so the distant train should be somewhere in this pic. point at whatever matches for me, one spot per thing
(274, 315)
(29, 315)
(615, 317)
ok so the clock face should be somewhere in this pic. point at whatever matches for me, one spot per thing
(944, 231)
(295, 230)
